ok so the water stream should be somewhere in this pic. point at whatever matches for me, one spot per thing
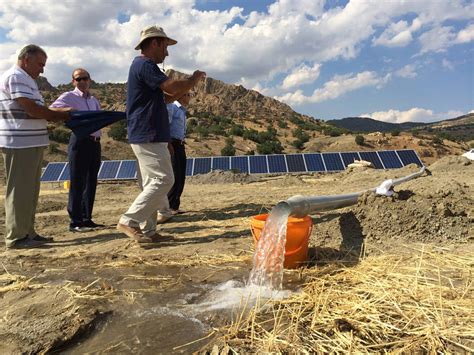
(269, 255)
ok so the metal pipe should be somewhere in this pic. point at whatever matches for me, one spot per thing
(301, 206)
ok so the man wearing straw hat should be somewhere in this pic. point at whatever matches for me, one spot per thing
(148, 90)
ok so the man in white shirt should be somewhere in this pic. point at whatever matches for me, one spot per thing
(23, 137)
(177, 118)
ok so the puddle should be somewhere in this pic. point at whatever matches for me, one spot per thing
(174, 318)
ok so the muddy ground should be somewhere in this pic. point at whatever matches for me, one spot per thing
(101, 292)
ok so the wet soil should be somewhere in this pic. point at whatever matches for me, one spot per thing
(100, 292)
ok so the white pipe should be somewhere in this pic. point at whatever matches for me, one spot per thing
(301, 206)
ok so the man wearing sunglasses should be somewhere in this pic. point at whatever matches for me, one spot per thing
(83, 155)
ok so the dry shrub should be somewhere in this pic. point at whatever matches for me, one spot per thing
(420, 302)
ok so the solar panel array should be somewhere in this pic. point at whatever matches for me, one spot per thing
(253, 164)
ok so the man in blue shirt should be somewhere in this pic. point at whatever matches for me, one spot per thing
(177, 117)
(149, 134)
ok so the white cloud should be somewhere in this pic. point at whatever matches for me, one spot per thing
(338, 86)
(230, 44)
(466, 35)
(301, 75)
(447, 64)
(408, 71)
(398, 34)
(438, 39)
(414, 114)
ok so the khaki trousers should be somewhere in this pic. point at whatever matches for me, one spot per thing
(155, 179)
(22, 173)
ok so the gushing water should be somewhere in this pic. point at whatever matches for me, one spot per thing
(269, 255)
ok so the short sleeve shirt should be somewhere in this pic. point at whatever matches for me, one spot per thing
(147, 116)
(17, 129)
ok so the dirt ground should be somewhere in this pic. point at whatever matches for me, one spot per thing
(101, 292)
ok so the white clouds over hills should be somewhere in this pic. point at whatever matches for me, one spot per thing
(412, 115)
(277, 51)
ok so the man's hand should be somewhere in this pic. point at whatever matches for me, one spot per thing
(198, 75)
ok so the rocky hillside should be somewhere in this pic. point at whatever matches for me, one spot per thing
(229, 119)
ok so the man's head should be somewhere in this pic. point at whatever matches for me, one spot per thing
(154, 43)
(81, 79)
(32, 59)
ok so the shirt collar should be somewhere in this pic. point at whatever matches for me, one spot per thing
(21, 70)
(80, 93)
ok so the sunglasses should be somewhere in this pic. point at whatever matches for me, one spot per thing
(85, 78)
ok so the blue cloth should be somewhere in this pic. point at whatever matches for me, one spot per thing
(84, 123)
(177, 118)
(147, 116)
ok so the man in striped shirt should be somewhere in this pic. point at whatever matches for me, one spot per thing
(23, 137)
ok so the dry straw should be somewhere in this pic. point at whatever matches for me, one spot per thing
(410, 303)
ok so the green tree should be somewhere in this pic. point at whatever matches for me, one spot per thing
(360, 140)
(270, 147)
(298, 144)
(60, 135)
(228, 149)
(118, 131)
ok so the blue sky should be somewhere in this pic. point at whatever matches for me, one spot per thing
(392, 60)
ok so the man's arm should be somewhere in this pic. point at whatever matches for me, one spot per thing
(175, 88)
(36, 111)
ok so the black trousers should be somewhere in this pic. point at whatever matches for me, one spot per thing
(84, 165)
(179, 170)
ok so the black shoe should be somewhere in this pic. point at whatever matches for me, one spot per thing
(91, 224)
(26, 243)
(80, 229)
(40, 238)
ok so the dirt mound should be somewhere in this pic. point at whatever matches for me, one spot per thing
(449, 162)
(445, 216)
(220, 177)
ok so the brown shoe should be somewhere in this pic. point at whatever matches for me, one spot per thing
(163, 219)
(132, 232)
(157, 238)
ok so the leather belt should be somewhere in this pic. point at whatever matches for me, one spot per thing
(177, 141)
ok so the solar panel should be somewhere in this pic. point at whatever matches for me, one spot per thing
(314, 162)
(349, 157)
(390, 159)
(65, 175)
(240, 164)
(108, 170)
(254, 164)
(127, 170)
(409, 157)
(373, 158)
(276, 164)
(53, 172)
(333, 161)
(189, 166)
(202, 166)
(220, 163)
(295, 163)
(258, 164)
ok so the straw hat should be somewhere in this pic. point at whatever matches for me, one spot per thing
(154, 31)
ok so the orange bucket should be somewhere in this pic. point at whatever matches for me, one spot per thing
(297, 238)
